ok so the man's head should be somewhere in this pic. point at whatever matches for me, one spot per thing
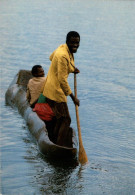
(37, 71)
(73, 40)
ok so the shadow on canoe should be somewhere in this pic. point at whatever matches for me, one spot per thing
(16, 97)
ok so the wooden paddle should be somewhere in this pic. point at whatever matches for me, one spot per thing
(82, 154)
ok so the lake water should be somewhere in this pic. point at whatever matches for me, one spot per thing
(29, 32)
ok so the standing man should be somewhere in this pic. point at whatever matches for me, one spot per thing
(57, 89)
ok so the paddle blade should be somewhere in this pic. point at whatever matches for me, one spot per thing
(82, 156)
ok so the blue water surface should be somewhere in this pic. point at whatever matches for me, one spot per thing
(29, 32)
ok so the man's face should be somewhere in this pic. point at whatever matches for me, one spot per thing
(73, 44)
(40, 72)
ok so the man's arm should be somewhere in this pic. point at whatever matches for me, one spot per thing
(75, 100)
(63, 75)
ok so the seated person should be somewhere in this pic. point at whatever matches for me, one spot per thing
(35, 85)
(34, 89)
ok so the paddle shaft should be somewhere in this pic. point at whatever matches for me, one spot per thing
(82, 154)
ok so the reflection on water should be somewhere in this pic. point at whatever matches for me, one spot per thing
(52, 176)
(30, 31)
(56, 179)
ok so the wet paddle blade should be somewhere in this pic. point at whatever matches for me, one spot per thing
(82, 156)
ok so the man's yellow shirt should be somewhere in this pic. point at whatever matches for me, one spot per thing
(62, 63)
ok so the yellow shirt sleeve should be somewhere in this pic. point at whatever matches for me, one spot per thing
(63, 75)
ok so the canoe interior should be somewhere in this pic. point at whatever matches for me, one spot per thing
(16, 97)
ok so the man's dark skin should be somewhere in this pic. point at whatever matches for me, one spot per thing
(73, 45)
(40, 72)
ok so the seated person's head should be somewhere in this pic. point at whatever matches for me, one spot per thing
(37, 71)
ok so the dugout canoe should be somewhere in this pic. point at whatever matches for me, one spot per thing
(16, 97)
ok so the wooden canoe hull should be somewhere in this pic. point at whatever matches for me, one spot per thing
(16, 97)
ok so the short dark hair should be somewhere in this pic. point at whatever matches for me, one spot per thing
(35, 69)
(72, 34)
